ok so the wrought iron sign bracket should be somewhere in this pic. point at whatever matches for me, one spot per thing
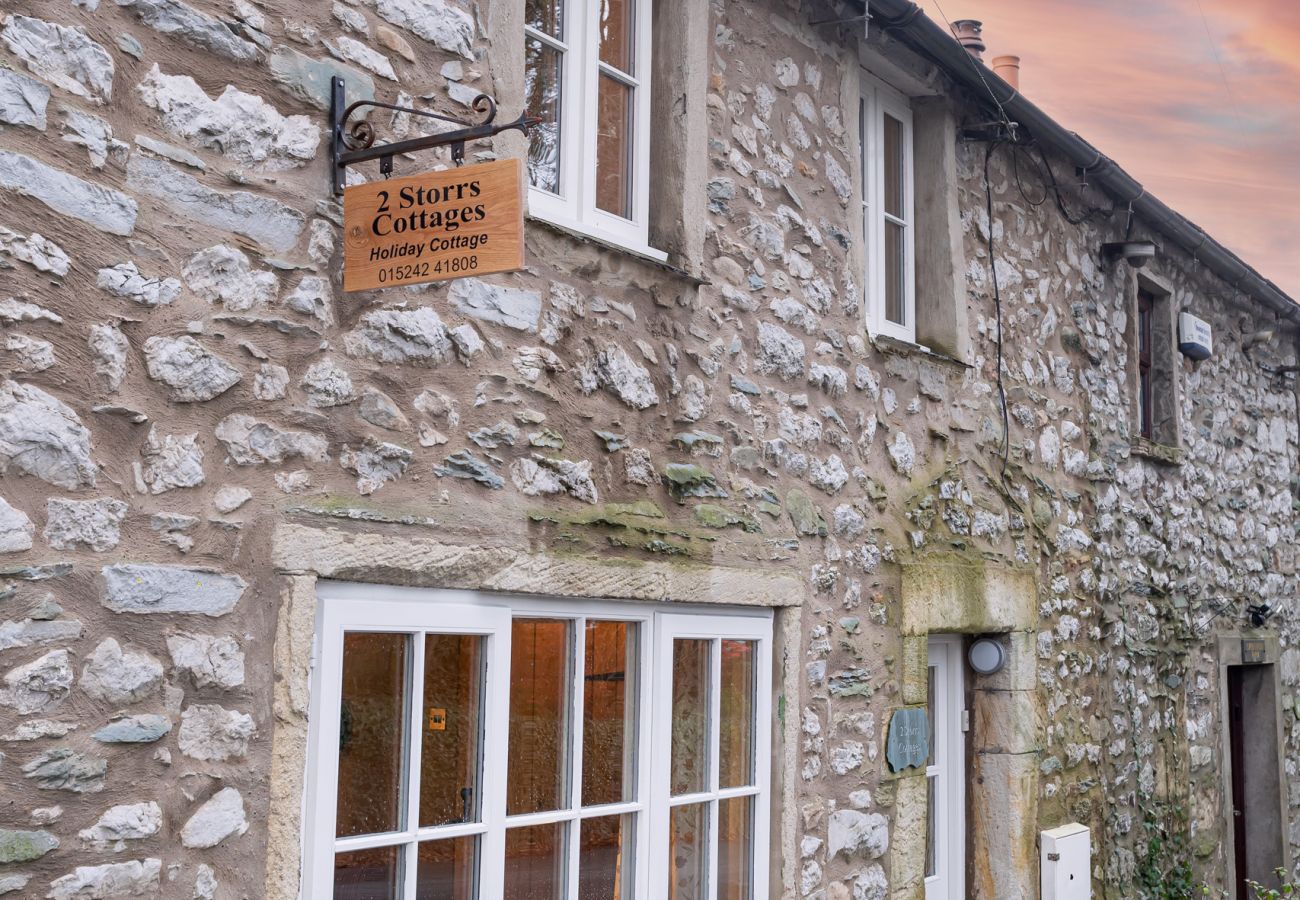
(349, 146)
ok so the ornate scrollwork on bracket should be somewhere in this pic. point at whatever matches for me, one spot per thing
(356, 143)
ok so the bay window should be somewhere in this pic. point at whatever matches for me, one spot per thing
(888, 218)
(475, 747)
(588, 77)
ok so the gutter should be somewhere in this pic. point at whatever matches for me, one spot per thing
(907, 21)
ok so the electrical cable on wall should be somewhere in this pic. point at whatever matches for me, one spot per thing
(997, 306)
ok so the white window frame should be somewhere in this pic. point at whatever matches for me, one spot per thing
(877, 99)
(574, 207)
(717, 629)
(363, 607)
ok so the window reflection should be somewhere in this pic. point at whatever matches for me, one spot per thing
(535, 862)
(368, 874)
(608, 718)
(542, 84)
(735, 848)
(736, 750)
(372, 720)
(447, 870)
(689, 852)
(452, 725)
(539, 715)
(614, 148)
(605, 858)
(690, 737)
(616, 34)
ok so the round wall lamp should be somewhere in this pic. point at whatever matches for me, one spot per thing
(986, 656)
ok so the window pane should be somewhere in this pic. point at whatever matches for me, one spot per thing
(545, 15)
(895, 293)
(736, 751)
(895, 170)
(616, 31)
(608, 713)
(690, 737)
(448, 870)
(605, 858)
(614, 148)
(688, 852)
(535, 862)
(542, 92)
(736, 849)
(368, 874)
(372, 726)
(930, 687)
(930, 836)
(539, 715)
(452, 726)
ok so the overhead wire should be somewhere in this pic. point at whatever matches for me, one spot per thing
(1006, 120)
(1223, 73)
(997, 307)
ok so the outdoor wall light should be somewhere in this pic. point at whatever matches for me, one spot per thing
(1259, 614)
(987, 656)
(1253, 340)
(1135, 253)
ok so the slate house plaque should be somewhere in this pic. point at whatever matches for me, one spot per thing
(908, 743)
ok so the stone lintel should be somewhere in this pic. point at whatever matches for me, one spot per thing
(948, 595)
(394, 559)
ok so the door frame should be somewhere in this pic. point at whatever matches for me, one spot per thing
(950, 795)
(1229, 654)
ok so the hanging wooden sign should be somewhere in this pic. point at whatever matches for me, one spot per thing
(434, 227)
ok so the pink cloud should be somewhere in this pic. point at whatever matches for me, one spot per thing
(1141, 82)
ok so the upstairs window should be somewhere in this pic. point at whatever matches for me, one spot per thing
(888, 217)
(587, 76)
(1145, 414)
(1155, 400)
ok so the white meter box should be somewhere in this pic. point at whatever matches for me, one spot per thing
(1066, 864)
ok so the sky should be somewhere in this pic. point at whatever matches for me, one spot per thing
(1199, 100)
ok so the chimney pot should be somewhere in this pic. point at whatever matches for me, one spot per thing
(968, 34)
(1008, 69)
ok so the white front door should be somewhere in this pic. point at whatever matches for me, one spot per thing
(945, 773)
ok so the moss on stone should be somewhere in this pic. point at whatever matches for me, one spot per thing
(710, 515)
(804, 514)
(689, 480)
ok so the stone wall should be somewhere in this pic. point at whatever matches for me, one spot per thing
(186, 384)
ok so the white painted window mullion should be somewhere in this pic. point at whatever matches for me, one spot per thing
(413, 734)
(578, 666)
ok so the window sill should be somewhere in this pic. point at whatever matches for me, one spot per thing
(588, 234)
(886, 343)
(1160, 453)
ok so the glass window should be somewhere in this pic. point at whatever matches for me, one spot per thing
(586, 77)
(885, 137)
(508, 756)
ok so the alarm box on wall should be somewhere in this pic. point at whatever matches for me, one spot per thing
(1195, 339)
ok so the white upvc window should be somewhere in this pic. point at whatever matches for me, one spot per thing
(888, 215)
(480, 747)
(588, 77)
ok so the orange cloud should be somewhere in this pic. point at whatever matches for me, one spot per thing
(1145, 83)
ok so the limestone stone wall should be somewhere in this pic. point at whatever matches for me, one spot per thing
(186, 384)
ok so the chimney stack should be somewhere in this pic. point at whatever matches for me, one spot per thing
(968, 34)
(1008, 69)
